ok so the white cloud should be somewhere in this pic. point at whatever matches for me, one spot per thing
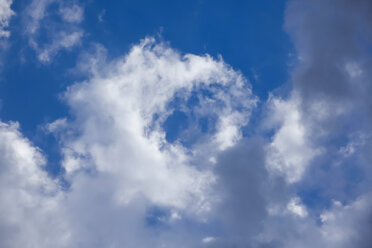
(118, 134)
(60, 35)
(73, 13)
(28, 196)
(37, 11)
(290, 150)
(118, 163)
(62, 40)
(353, 69)
(5, 14)
(348, 225)
(296, 207)
(207, 240)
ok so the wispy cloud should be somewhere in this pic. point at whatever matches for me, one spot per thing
(5, 14)
(40, 19)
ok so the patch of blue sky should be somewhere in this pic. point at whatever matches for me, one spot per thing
(241, 31)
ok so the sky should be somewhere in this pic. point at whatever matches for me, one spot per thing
(185, 124)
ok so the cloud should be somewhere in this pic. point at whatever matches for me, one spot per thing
(62, 40)
(73, 13)
(120, 112)
(127, 184)
(350, 225)
(29, 197)
(321, 131)
(154, 154)
(47, 35)
(245, 191)
(290, 151)
(5, 14)
(319, 143)
(331, 80)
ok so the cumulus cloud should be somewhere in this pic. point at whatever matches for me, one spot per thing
(120, 112)
(132, 181)
(5, 14)
(322, 130)
(332, 77)
(350, 225)
(290, 151)
(246, 191)
(319, 144)
(62, 34)
(29, 197)
(128, 184)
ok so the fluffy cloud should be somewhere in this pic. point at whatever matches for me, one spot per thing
(60, 35)
(29, 197)
(350, 225)
(331, 81)
(5, 14)
(132, 181)
(120, 112)
(290, 151)
(322, 131)
(128, 183)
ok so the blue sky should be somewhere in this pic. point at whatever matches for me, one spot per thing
(185, 123)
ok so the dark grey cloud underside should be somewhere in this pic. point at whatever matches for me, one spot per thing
(328, 34)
